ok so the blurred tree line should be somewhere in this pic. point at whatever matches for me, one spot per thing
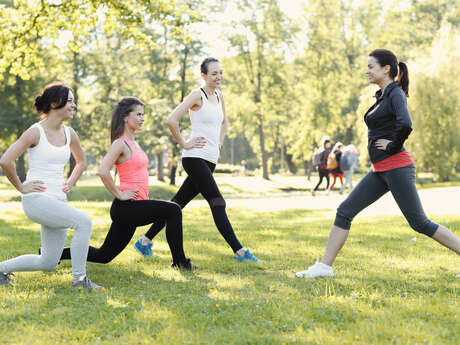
(288, 81)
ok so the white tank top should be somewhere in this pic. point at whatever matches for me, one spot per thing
(47, 162)
(206, 122)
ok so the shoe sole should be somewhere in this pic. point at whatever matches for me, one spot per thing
(144, 256)
(246, 260)
(310, 277)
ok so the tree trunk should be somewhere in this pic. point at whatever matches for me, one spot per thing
(19, 95)
(262, 151)
(291, 166)
(258, 98)
(21, 168)
(72, 164)
(175, 149)
(307, 165)
(74, 122)
(173, 163)
(160, 174)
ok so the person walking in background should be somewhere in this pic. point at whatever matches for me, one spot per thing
(348, 162)
(49, 144)
(333, 164)
(200, 155)
(131, 206)
(320, 161)
(393, 169)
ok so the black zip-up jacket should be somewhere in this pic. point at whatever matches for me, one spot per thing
(388, 119)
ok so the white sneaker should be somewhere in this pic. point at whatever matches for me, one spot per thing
(317, 270)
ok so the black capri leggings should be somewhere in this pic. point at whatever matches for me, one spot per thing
(201, 180)
(322, 173)
(126, 217)
(401, 183)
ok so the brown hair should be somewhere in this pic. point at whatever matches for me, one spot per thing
(55, 92)
(205, 64)
(123, 108)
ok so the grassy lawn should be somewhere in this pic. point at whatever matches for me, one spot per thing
(388, 288)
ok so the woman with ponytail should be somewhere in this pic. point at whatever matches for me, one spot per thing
(392, 170)
(131, 206)
(206, 107)
(49, 144)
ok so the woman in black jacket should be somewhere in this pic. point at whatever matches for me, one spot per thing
(393, 169)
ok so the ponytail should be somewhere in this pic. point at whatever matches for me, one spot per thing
(403, 77)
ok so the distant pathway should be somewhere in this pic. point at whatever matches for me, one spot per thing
(436, 201)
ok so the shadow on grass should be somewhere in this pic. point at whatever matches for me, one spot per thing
(293, 189)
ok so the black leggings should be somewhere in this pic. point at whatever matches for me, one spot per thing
(323, 173)
(126, 216)
(200, 180)
(401, 183)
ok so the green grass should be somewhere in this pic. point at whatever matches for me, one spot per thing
(387, 289)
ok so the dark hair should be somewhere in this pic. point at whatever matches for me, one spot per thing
(324, 140)
(386, 57)
(205, 64)
(123, 108)
(55, 92)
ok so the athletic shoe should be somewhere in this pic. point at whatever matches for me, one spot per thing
(144, 250)
(84, 282)
(317, 270)
(247, 256)
(5, 278)
(186, 265)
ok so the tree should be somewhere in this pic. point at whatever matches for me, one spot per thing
(259, 41)
(27, 26)
(435, 105)
(325, 76)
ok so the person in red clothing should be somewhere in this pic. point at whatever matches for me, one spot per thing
(393, 169)
(336, 172)
(132, 207)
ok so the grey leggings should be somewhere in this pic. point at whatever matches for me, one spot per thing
(401, 183)
(55, 216)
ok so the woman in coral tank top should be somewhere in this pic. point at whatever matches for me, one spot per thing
(131, 207)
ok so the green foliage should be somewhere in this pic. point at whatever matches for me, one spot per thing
(288, 82)
(27, 26)
(435, 104)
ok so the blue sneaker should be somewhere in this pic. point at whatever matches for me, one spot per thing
(247, 256)
(144, 250)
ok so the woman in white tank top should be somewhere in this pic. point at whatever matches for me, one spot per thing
(49, 144)
(206, 107)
